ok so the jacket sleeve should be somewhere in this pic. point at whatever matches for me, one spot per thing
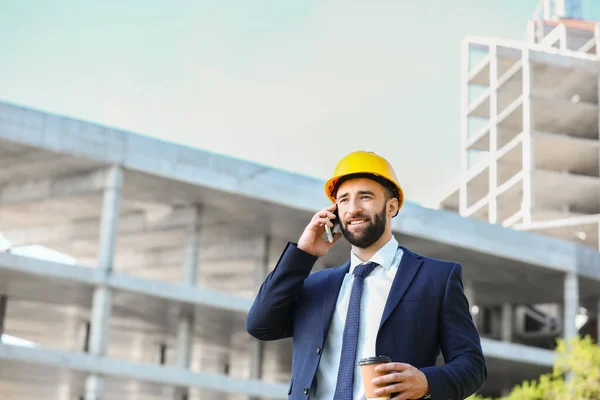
(464, 371)
(272, 313)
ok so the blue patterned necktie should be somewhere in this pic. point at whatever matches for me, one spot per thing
(345, 379)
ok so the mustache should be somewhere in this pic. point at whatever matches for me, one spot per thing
(363, 216)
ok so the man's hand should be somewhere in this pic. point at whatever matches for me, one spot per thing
(404, 379)
(311, 240)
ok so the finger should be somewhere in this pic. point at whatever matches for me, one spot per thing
(393, 366)
(325, 214)
(388, 390)
(323, 221)
(389, 378)
(319, 220)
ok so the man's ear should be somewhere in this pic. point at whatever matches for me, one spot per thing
(392, 207)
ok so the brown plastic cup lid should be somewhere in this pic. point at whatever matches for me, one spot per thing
(374, 360)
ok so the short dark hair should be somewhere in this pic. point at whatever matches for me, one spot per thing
(389, 188)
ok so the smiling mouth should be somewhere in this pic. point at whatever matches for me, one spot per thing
(358, 222)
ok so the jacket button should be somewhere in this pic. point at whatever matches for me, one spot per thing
(318, 350)
(305, 390)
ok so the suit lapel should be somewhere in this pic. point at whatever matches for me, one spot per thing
(331, 290)
(407, 270)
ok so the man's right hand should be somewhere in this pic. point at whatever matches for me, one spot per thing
(312, 240)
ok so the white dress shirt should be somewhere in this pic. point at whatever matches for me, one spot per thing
(374, 296)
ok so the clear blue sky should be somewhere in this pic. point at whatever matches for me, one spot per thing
(292, 84)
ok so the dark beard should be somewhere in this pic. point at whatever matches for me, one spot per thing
(370, 234)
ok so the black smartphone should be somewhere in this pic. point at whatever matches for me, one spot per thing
(336, 227)
(336, 220)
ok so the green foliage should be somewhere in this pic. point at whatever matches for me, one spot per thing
(575, 376)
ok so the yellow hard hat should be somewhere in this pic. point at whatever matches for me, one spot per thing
(363, 162)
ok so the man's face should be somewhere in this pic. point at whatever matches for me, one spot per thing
(361, 207)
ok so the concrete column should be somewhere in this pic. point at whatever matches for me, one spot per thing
(94, 386)
(495, 321)
(138, 353)
(185, 333)
(185, 327)
(3, 304)
(528, 153)
(190, 267)
(507, 322)
(110, 218)
(63, 392)
(224, 365)
(262, 267)
(469, 290)
(571, 307)
(258, 347)
(464, 126)
(493, 135)
(102, 300)
(257, 360)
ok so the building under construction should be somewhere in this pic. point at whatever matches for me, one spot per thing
(530, 146)
(162, 247)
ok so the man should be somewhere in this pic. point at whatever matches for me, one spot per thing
(386, 300)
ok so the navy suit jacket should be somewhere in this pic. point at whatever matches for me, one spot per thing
(426, 311)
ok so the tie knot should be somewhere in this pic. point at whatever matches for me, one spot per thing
(365, 269)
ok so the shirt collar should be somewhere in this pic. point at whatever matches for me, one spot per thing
(384, 256)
